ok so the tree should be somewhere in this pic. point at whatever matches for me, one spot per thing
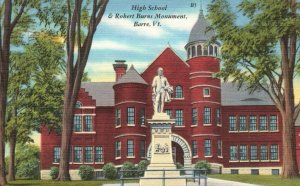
(261, 54)
(82, 21)
(9, 21)
(35, 91)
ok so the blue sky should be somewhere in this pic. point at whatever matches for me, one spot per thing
(119, 39)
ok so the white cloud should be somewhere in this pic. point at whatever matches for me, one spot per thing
(127, 26)
(104, 72)
(113, 45)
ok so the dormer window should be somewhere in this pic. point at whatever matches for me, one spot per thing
(78, 104)
(199, 50)
(211, 50)
(178, 92)
(206, 92)
(216, 51)
(193, 51)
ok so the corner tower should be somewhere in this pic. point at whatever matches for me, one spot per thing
(202, 56)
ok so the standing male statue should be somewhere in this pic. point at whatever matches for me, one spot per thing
(161, 91)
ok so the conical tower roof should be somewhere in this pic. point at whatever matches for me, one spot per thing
(131, 76)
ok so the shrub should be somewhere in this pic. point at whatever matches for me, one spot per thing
(54, 172)
(142, 166)
(180, 166)
(128, 166)
(86, 172)
(29, 169)
(109, 170)
(203, 165)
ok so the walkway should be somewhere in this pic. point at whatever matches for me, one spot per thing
(210, 182)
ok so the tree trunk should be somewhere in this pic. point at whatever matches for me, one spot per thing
(12, 150)
(3, 92)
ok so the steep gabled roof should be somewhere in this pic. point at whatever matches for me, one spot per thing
(131, 76)
(102, 92)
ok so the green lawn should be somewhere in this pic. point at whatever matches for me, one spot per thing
(259, 179)
(56, 183)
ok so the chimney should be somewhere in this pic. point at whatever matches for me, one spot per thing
(120, 68)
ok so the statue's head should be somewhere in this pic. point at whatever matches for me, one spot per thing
(160, 71)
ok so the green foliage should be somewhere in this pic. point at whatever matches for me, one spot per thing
(110, 171)
(203, 164)
(86, 172)
(179, 166)
(54, 171)
(27, 161)
(142, 166)
(128, 166)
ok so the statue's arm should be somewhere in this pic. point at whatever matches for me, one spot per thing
(154, 84)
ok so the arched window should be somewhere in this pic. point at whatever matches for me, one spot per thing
(189, 53)
(199, 50)
(211, 50)
(78, 104)
(205, 53)
(216, 51)
(178, 92)
(193, 51)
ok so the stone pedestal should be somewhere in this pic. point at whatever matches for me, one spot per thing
(161, 155)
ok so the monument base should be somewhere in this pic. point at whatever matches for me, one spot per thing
(155, 178)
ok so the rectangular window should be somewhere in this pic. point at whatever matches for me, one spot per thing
(264, 152)
(218, 116)
(252, 123)
(207, 147)
(142, 116)
(274, 152)
(130, 115)
(88, 125)
(130, 148)
(179, 118)
(77, 154)
(118, 149)
(253, 152)
(275, 171)
(169, 112)
(56, 154)
(206, 92)
(243, 152)
(273, 123)
(207, 115)
(194, 148)
(254, 171)
(242, 122)
(142, 149)
(234, 171)
(98, 154)
(88, 154)
(233, 153)
(77, 124)
(262, 122)
(232, 123)
(118, 117)
(194, 116)
(219, 150)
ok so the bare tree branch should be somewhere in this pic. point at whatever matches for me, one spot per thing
(19, 14)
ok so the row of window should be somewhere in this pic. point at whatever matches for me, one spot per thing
(250, 123)
(207, 147)
(78, 154)
(83, 123)
(250, 152)
(130, 148)
(206, 116)
(200, 50)
(130, 116)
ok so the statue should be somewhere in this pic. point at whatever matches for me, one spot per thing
(161, 91)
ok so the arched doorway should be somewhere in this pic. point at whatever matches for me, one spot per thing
(184, 146)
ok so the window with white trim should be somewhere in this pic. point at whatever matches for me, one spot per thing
(178, 92)
(179, 117)
(243, 152)
(207, 147)
(252, 123)
(233, 156)
(207, 114)
(130, 148)
(98, 154)
(78, 104)
(194, 148)
(77, 154)
(253, 152)
(88, 124)
(232, 123)
(262, 122)
(219, 147)
(88, 154)
(264, 152)
(273, 123)
(142, 149)
(206, 92)
(218, 116)
(77, 126)
(56, 154)
(118, 149)
(242, 122)
(274, 152)
(130, 115)
(194, 116)
(142, 116)
(118, 117)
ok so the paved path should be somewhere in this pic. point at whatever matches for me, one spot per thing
(210, 182)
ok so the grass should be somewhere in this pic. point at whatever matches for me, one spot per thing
(258, 179)
(58, 183)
